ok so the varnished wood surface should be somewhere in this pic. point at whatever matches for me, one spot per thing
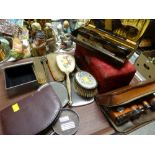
(92, 120)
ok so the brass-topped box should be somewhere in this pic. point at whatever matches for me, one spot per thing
(114, 39)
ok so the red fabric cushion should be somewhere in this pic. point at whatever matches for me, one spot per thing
(109, 77)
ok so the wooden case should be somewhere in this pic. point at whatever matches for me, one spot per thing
(116, 40)
(130, 107)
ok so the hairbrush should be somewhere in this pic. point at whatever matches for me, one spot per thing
(39, 71)
(85, 84)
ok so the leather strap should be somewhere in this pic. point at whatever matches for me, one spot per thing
(126, 94)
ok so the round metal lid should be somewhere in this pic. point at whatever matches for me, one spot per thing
(67, 123)
(60, 90)
(85, 80)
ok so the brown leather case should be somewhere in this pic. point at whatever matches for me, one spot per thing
(127, 97)
(32, 114)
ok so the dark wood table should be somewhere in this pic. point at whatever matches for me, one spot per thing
(92, 120)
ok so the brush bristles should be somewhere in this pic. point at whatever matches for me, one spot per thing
(84, 92)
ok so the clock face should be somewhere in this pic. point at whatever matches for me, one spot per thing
(86, 80)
